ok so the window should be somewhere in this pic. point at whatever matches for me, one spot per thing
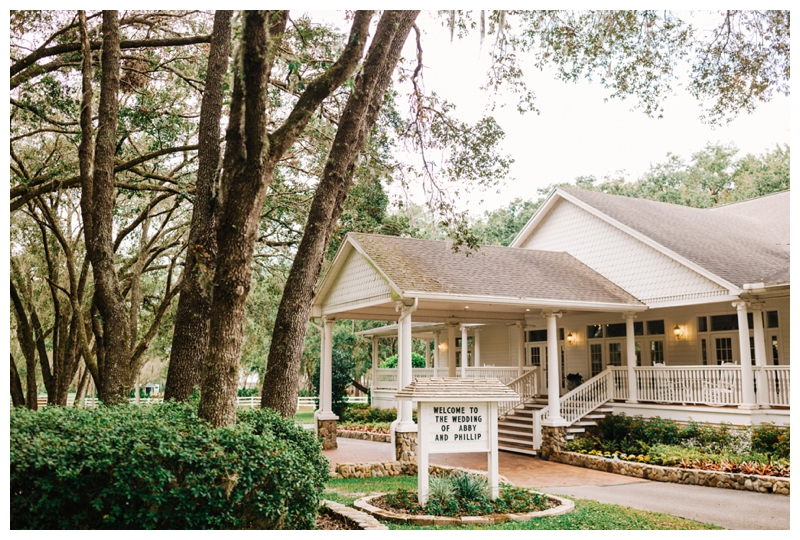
(702, 324)
(561, 334)
(657, 352)
(721, 323)
(638, 347)
(596, 358)
(614, 354)
(563, 370)
(772, 319)
(535, 357)
(594, 331)
(724, 350)
(655, 328)
(752, 351)
(615, 330)
(537, 335)
(638, 328)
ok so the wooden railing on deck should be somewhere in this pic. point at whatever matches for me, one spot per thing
(577, 403)
(526, 386)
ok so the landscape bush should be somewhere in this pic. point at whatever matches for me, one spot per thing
(665, 442)
(417, 361)
(161, 467)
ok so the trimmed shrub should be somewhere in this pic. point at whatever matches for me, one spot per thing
(362, 413)
(160, 467)
(768, 438)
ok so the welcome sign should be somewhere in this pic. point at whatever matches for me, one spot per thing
(456, 415)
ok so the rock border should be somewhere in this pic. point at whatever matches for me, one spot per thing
(676, 475)
(355, 518)
(364, 435)
(565, 506)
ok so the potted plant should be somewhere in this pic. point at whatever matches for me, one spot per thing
(574, 380)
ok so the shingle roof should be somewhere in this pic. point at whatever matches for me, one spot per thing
(431, 266)
(449, 388)
(745, 242)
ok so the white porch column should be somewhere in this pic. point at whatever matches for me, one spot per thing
(553, 386)
(476, 347)
(464, 352)
(761, 353)
(451, 350)
(520, 347)
(374, 367)
(630, 342)
(325, 370)
(748, 396)
(427, 353)
(436, 356)
(405, 420)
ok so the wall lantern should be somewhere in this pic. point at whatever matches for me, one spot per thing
(678, 331)
(443, 347)
(570, 339)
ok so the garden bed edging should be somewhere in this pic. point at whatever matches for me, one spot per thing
(676, 475)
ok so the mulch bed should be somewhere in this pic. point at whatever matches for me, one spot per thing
(381, 503)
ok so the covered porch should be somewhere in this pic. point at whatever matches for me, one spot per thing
(524, 317)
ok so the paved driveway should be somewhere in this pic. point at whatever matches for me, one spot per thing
(738, 510)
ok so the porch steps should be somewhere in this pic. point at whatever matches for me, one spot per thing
(515, 430)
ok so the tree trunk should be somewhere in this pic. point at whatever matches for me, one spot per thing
(17, 396)
(190, 335)
(26, 343)
(280, 387)
(250, 158)
(97, 206)
(83, 385)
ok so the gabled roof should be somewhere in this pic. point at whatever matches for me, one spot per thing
(746, 242)
(431, 267)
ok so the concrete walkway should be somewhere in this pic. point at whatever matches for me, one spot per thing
(737, 510)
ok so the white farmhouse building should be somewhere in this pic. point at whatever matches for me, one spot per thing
(598, 287)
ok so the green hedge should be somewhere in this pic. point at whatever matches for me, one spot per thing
(160, 467)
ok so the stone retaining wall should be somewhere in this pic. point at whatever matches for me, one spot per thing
(364, 435)
(676, 475)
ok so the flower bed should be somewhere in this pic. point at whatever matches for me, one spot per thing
(676, 475)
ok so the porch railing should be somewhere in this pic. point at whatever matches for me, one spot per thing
(387, 377)
(708, 385)
(777, 385)
(526, 386)
(579, 402)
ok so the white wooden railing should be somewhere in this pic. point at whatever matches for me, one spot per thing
(577, 403)
(710, 385)
(777, 390)
(387, 377)
(250, 402)
(526, 386)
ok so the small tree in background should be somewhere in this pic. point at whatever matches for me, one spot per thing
(417, 361)
(342, 371)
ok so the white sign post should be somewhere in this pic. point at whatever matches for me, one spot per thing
(456, 415)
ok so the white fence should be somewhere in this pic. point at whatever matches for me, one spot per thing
(250, 402)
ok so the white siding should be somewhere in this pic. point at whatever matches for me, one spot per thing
(494, 346)
(647, 274)
(358, 283)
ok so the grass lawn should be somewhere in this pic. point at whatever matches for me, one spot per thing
(588, 515)
(304, 417)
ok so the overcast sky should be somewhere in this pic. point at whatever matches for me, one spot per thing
(577, 132)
